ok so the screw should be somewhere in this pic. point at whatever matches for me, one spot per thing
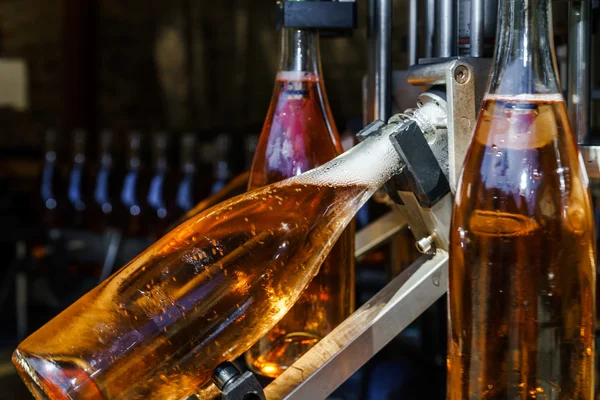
(461, 74)
(424, 244)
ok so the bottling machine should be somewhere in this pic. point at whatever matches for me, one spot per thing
(432, 139)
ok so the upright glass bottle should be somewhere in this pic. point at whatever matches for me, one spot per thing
(522, 269)
(133, 192)
(51, 209)
(204, 293)
(221, 165)
(191, 187)
(103, 203)
(159, 211)
(299, 134)
(78, 181)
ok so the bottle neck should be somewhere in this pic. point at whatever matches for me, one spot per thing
(134, 152)
(187, 161)
(106, 150)
(300, 51)
(370, 163)
(524, 58)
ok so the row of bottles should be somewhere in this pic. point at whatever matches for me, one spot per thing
(139, 195)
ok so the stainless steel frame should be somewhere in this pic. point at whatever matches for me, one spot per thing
(580, 69)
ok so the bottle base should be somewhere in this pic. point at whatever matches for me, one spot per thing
(49, 380)
(274, 358)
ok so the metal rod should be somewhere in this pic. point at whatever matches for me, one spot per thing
(383, 59)
(369, 84)
(412, 32)
(445, 26)
(356, 340)
(377, 232)
(477, 27)
(579, 69)
(429, 74)
(429, 28)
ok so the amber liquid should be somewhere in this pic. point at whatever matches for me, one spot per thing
(297, 136)
(522, 272)
(201, 295)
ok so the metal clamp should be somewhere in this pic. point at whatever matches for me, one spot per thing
(465, 79)
(324, 15)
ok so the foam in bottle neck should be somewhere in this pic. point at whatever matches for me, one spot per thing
(370, 163)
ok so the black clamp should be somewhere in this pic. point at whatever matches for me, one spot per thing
(421, 172)
(330, 17)
(237, 386)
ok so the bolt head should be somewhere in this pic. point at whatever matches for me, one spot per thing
(461, 74)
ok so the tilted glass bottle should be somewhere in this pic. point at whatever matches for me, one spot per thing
(206, 292)
(299, 134)
(522, 269)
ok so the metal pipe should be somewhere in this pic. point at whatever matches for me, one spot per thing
(477, 27)
(369, 84)
(356, 340)
(429, 28)
(429, 74)
(579, 69)
(383, 59)
(445, 24)
(412, 32)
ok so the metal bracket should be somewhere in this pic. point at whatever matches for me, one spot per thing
(465, 80)
(591, 159)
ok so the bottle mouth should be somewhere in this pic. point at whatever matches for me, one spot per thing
(48, 380)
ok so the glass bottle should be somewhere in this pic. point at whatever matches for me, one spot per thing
(298, 135)
(221, 166)
(522, 269)
(50, 184)
(159, 210)
(191, 188)
(204, 293)
(133, 192)
(103, 202)
(77, 181)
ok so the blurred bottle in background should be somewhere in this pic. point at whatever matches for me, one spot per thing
(222, 172)
(77, 181)
(250, 144)
(132, 198)
(299, 134)
(51, 185)
(101, 210)
(192, 187)
(159, 212)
